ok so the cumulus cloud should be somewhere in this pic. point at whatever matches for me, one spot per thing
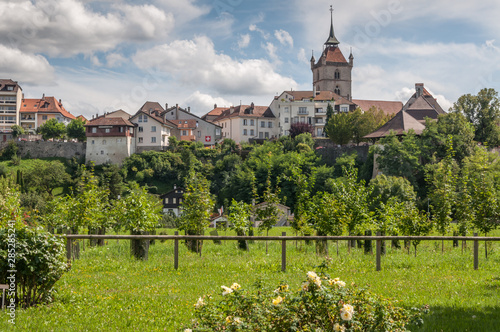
(196, 62)
(26, 68)
(202, 103)
(68, 27)
(244, 41)
(301, 56)
(284, 37)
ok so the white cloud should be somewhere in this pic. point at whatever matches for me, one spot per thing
(301, 56)
(26, 68)
(271, 52)
(68, 27)
(115, 60)
(196, 62)
(202, 103)
(253, 27)
(244, 41)
(284, 37)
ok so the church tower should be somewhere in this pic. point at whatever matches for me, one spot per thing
(332, 72)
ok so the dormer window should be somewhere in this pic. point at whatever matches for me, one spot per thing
(10, 88)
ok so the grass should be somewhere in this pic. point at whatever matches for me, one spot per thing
(107, 290)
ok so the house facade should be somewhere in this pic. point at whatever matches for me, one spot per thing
(11, 96)
(191, 127)
(244, 122)
(153, 129)
(35, 112)
(172, 201)
(307, 107)
(109, 140)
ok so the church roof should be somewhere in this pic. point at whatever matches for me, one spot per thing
(401, 123)
(332, 40)
(333, 54)
(389, 107)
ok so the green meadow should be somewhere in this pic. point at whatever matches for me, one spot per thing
(108, 290)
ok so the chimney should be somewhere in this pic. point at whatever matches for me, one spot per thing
(419, 88)
(177, 107)
(189, 109)
(252, 105)
(60, 101)
(43, 96)
(215, 105)
(166, 106)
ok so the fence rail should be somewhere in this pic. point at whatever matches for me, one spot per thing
(283, 238)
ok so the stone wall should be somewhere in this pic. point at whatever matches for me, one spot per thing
(44, 149)
(330, 151)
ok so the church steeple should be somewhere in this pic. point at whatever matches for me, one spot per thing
(332, 40)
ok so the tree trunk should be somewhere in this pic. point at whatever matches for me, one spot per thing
(368, 243)
(321, 246)
(242, 244)
(139, 248)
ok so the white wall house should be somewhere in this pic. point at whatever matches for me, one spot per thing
(244, 122)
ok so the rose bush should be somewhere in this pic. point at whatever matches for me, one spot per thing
(321, 304)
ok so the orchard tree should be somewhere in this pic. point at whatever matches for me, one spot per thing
(52, 129)
(239, 220)
(76, 130)
(197, 205)
(139, 213)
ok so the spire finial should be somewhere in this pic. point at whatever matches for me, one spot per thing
(332, 40)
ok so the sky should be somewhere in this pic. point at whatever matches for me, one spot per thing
(102, 55)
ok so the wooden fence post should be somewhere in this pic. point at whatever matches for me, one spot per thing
(378, 253)
(476, 253)
(283, 253)
(176, 252)
(69, 248)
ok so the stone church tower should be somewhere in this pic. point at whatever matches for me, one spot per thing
(332, 72)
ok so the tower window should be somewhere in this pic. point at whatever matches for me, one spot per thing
(337, 74)
(337, 90)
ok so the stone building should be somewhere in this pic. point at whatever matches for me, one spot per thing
(110, 139)
(332, 72)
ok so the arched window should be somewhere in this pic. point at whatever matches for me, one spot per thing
(337, 90)
(337, 74)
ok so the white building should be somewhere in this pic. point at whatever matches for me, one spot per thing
(153, 129)
(11, 96)
(109, 140)
(244, 122)
(307, 107)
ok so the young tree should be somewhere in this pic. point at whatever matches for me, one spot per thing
(197, 204)
(239, 220)
(76, 130)
(52, 129)
(269, 214)
(138, 212)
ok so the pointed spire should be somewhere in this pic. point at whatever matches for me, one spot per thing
(332, 40)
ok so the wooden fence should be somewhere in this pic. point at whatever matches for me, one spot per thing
(283, 238)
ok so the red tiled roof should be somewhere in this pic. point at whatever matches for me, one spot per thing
(333, 54)
(246, 111)
(321, 96)
(185, 124)
(389, 107)
(45, 105)
(82, 118)
(103, 120)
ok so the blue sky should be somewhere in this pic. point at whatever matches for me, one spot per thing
(99, 56)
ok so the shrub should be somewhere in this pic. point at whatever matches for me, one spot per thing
(322, 304)
(39, 262)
